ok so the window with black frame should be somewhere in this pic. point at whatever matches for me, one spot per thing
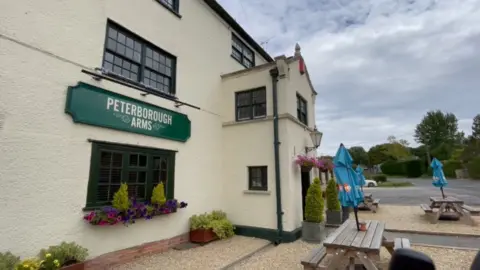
(171, 4)
(251, 104)
(242, 53)
(302, 110)
(257, 178)
(131, 58)
(140, 168)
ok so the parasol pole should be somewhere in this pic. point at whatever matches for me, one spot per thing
(443, 195)
(355, 211)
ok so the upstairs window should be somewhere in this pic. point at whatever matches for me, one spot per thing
(302, 114)
(242, 53)
(251, 104)
(170, 4)
(131, 58)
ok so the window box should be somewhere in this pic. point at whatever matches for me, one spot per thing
(107, 216)
(75, 266)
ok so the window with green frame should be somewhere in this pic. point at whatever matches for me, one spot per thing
(141, 168)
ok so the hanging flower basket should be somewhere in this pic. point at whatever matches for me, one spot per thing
(306, 168)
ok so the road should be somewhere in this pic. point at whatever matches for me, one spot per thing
(468, 190)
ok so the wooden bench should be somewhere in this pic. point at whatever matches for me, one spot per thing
(426, 208)
(473, 211)
(401, 243)
(313, 259)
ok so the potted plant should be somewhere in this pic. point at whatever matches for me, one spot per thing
(334, 213)
(313, 227)
(207, 227)
(66, 255)
(306, 163)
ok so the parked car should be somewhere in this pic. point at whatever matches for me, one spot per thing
(370, 183)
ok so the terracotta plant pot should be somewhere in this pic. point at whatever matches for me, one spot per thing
(202, 236)
(77, 266)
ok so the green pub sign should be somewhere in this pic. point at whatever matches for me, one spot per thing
(88, 104)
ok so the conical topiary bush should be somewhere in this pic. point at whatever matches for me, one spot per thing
(313, 228)
(334, 214)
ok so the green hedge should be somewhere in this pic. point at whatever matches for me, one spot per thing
(449, 168)
(409, 168)
(474, 168)
(379, 178)
(413, 168)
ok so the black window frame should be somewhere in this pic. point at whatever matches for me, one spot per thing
(175, 7)
(263, 178)
(251, 105)
(92, 201)
(302, 116)
(142, 68)
(241, 54)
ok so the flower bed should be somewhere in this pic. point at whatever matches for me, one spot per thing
(111, 216)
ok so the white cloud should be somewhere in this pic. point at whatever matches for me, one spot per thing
(378, 65)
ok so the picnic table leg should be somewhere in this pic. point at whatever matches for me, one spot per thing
(464, 215)
(369, 265)
(436, 217)
(389, 248)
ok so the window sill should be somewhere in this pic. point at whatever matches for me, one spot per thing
(258, 192)
(169, 9)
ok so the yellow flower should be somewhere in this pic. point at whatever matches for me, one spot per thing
(48, 255)
(56, 262)
(25, 266)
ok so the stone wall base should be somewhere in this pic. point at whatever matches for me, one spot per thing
(127, 255)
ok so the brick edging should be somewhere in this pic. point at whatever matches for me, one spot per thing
(129, 254)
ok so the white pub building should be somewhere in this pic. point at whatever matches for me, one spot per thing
(177, 86)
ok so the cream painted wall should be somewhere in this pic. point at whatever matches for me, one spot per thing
(45, 160)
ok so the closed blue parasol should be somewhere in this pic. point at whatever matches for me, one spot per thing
(439, 179)
(361, 177)
(348, 189)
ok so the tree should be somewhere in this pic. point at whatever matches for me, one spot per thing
(378, 154)
(359, 155)
(436, 128)
(476, 127)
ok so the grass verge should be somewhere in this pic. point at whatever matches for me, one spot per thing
(395, 184)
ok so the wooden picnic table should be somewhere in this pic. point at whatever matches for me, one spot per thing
(448, 206)
(347, 244)
(369, 203)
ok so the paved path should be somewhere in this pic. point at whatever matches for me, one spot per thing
(468, 190)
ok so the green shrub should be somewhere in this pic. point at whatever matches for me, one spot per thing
(474, 168)
(66, 253)
(120, 198)
(413, 168)
(158, 195)
(450, 166)
(393, 168)
(28, 264)
(314, 203)
(216, 221)
(333, 204)
(379, 178)
(8, 260)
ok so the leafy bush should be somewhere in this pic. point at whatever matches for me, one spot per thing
(158, 195)
(450, 166)
(314, 203)
(413, 168)
(379, 178)
(216, 221)
(333, 204)
(49, 262)
(8, 260)
(393, 168)
(120, 198)
(66, 253)
(28, 264)
(474, 168)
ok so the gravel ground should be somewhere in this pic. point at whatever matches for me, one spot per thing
(215, 255)
(413, 218)
(288, 256)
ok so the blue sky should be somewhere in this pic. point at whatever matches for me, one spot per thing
(378, 65)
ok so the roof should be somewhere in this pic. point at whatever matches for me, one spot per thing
(235, 26)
